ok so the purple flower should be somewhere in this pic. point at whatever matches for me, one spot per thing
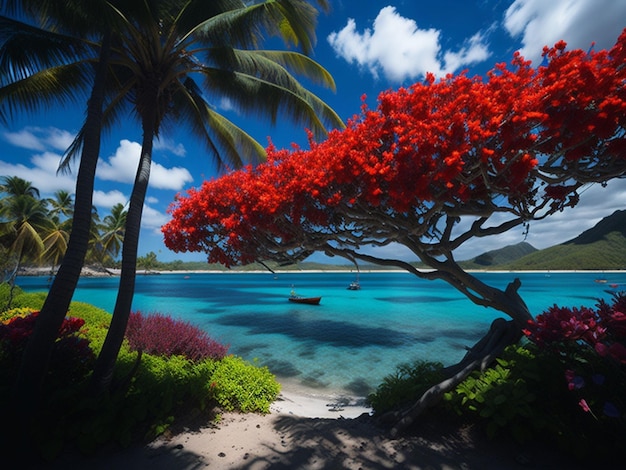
(578, 382)
(611, 410)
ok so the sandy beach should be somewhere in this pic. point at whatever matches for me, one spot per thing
(304, 432)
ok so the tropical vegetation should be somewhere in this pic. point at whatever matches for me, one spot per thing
(159, 386)
(563, 385)
(148, 57)
(34, 231)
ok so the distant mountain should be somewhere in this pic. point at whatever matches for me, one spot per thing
(616, 222)
(494, 258)
(602, 247)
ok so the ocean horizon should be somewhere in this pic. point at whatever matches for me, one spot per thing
(348, 343)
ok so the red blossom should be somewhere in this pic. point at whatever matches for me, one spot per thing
(475, 146)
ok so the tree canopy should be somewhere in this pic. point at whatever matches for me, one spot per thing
(434, 165)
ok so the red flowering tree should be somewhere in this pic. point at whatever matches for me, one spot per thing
(434, 165)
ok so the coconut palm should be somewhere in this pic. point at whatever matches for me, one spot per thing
(160, 61)
(62, 204)
(48, 58)
(56, 236)
(111, 232)
(23, 217)
(14, 186)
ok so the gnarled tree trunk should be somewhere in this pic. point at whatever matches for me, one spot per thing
(501, 334)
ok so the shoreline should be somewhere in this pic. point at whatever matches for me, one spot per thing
(91, 272)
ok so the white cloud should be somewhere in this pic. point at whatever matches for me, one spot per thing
(108, 199)
(122, 166)
(578, 22)
(43, 174)
(39, 139)
(152, 219)
(169, 178)
(398, 48)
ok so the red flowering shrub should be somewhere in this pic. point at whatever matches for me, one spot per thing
(162, 335)
(71, 357)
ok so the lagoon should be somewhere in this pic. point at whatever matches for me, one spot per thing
(353, 339)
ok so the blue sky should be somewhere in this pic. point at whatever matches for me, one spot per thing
(368, 47)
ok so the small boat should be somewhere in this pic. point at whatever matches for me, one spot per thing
(305, 300)
(354, 285)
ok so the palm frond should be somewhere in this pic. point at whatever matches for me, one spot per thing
(270, 91)
(227, 143)
(25, 49)
(293, 21)
(60, 85)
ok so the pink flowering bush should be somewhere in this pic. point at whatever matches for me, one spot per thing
(590, 345)
(163, 336)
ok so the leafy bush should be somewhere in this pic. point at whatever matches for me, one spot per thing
(162, 335)
(8, 315)
(519, 395)
(567, 384)
(239, 385)
(97, 323)
(407, 383)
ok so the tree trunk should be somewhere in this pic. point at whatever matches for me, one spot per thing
(501, 334)
(105, 364)
(36, 357)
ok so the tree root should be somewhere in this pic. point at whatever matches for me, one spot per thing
(501, 334)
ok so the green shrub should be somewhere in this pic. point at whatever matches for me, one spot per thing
(239, 385)
(523, 395)
(5, 293)
(97, 322)
(7, 315)
(407, 383)
(21, 299)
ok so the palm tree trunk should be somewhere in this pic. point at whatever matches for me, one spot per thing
(36, 357)
(105, 364)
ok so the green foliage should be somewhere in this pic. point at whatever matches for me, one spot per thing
(97, 322)
(525, 396)
(15, 312)
(505, 395)
(148, 397)
(407, 383)
(239, 385)
(32, 300)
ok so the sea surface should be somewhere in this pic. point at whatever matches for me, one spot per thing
(353, 339)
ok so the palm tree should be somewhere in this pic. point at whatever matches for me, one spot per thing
(14, 186)
(62, 204)
(46, 63)
(60, 211)
(161, 58)
(23, 217)
(111, 233)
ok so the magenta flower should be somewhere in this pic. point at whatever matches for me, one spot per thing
(583, 404)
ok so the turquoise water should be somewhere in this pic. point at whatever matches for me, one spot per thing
(349, 342)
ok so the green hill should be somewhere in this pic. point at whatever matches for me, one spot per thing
(498, 257)
(602, 247)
